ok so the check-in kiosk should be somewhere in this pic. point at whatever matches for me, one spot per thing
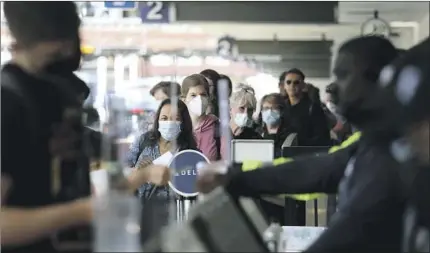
(218, 223)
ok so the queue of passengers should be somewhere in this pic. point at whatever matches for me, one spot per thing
(279, 115)
(295, 115)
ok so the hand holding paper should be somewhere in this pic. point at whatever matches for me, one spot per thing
(164, 159)
(143, 162)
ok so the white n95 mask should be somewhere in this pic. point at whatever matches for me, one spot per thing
(198, 105)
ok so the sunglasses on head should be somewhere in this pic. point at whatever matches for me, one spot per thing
(295, 82)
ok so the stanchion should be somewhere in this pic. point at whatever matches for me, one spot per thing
(184, 168)
(183, 206)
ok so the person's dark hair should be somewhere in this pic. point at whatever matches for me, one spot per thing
(229, 83)
(291, 71)
(185, 139)
(212, 75)
(166, 87)
(193, 81)
(278, 100)
(32, 22)
(281, 81)
(282, 78)
(372, 51)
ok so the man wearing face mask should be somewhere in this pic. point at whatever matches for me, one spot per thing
(363, 173)
(39, 136)
(36, 88)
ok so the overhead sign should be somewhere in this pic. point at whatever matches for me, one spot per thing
(227, 47)
(282, 12)
(275, 57)
(184, 166)
(120, 4)
(155, 12)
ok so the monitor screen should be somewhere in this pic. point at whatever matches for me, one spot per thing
(252, 150)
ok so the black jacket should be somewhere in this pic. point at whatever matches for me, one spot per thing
(416, 224)
(278, 138)
(311, 123)
(370, 213)
(248, 133)
(30, 108)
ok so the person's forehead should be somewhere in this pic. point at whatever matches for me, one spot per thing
(269, 101)
(197, 89)
(293, 76)
(165, 109)
(269, 104)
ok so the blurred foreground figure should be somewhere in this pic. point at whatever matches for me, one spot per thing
(47, 44)
(45, 184)
(361, 170)
(406, 109)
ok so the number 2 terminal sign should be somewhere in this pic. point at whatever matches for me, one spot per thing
(152, 12)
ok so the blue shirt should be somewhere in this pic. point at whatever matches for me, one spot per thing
(140, 150)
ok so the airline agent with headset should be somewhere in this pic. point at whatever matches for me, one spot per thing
(361, 170)
(407, 92)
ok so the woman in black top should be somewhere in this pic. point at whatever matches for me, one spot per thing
(242, 106)
(273, 121)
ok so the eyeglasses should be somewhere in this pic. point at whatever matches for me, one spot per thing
(295, 82)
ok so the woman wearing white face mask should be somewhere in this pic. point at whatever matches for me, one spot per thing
(195, 92)
(156, 142)
(273, 121)
(242, 106)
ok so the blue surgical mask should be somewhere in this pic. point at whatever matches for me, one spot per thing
(271, 117)
(169, 130)
(241, 119)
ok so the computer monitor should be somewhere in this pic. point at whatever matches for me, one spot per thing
(252, 150)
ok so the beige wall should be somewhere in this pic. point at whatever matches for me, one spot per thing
(424, 27)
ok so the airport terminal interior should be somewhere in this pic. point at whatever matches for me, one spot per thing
(197, 105)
